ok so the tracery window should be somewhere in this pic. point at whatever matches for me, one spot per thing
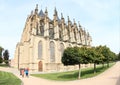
(61, 48)
(60, 34)
(40, 50)
(52, 51)
(41, 28)
(51, 32)
(37, 29)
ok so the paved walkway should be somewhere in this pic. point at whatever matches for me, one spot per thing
(109, 77)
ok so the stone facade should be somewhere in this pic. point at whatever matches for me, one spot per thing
(44, 40)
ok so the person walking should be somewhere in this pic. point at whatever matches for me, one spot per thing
(22, 72)
(27, 72)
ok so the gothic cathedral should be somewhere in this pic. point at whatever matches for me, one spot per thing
(43, 41)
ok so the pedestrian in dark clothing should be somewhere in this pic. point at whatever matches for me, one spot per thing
(27, 72)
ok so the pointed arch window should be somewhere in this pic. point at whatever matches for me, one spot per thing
(41, 28)
(51, 31)
(60, 34)
(61, 48)
(52, 51)
(40, 50)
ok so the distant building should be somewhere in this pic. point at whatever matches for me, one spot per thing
(44, 40)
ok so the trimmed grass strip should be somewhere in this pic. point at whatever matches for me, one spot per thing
(7, 78)
(73, 75)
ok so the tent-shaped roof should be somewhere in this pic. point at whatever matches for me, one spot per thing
(41, 14)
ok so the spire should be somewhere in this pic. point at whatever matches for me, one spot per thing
(68, 19)
(32, 12)
(84, 31)
(46, 12)
(74, 21)
(55, 12)
(79, 24)
(61, 16)
(80, 27)
(36, 9)
(88, 34)
(55, 15)
(69, 22)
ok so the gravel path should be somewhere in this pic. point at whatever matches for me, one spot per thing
(109, 77)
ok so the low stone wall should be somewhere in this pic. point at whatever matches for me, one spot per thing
(57, 67)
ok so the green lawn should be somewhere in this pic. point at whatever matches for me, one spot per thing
(72, 75)
(3, 65)
(7, 78)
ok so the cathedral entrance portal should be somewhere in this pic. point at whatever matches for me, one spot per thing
(40, 66)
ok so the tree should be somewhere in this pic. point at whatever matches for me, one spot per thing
(106, 52)
(94, 56)
(72, 56)
(108, 55)
(113, 56)
(118, 56)
(6, 56)
(75, 56)
(1, 59)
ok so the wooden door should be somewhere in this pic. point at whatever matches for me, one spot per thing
(40, 66)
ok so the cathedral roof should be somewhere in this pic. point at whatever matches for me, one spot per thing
(41, 14)
(58, 19)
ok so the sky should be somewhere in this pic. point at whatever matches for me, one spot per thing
(101, 18)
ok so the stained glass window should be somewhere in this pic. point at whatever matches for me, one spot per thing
(51, 32)
(52, 52)
(40, 50)
(61, 48)
(41, 28)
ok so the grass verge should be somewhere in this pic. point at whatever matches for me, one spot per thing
(73, 75)
(3, 65)
(7, 78)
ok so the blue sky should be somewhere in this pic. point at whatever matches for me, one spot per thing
(100, 17)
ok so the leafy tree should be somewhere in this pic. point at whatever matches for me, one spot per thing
(1, 59)
(107, 53)
(75, 56)
(99, 49)
(94, 56)
(118, 56)
(72, 56)
(83, 55)
(6, 56)
(113, 56)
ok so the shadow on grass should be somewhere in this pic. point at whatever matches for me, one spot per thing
(84, 74)
(69, 76)
(73, 75)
